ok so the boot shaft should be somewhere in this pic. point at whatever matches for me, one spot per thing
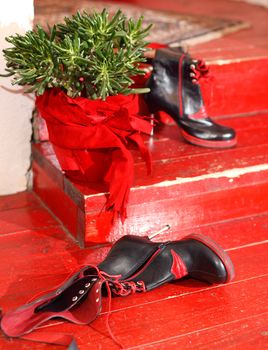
(172, 86)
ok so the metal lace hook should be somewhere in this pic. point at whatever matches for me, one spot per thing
(164, 229)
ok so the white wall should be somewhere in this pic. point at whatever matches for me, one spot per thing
(15, 109)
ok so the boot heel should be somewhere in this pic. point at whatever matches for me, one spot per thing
(161, 116)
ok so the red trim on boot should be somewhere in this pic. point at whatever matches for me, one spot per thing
(201, 114)
(178, 268)
(145, 266)
(180, 85)
(207, 143)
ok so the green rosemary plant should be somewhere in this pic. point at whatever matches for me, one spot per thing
(93, 56)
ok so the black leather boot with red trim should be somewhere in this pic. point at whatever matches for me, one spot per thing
(134, 264)
(175, 90)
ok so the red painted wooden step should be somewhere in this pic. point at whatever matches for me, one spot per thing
(174, 316)
(190, 186)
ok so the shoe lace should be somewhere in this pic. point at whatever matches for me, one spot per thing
(120, 288)
(199, 69)
(126, 288)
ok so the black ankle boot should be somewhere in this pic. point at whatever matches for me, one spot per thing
(176, 91)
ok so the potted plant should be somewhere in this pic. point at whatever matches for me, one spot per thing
(81, 72)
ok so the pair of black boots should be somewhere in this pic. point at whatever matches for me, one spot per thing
(175, 90)
(134, 264)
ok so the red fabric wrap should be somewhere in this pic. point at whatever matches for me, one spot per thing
(91, 136)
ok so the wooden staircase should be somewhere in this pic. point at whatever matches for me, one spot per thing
(191, 187)
(219, 193)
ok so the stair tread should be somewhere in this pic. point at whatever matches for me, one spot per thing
(173, 158)
(235, 236)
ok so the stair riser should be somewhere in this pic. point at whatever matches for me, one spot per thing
(55, 199)
(238, 87)
(184, 205)
(185, 213)
(182, 175)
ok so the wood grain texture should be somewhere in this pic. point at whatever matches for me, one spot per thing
(185, 314)
(19, 200)
(22, 219)
(190, 186)
(247, 333)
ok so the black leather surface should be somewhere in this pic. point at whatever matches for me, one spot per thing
(201, 261)
(158, 271)
(127, 255)
(64, 300)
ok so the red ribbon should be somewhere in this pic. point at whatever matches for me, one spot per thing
(92, 136)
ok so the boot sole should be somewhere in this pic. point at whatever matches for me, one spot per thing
(209, 144)
(226, 260)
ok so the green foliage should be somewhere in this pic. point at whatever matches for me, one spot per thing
(93, 56)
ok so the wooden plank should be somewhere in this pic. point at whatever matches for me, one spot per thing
(230, 234)
(21, 219)
(187, 165)
(166, 199)
(248, 333)
(174, 316)
(187, 161)
(186, 187)
(19, 200)
(187, 213)
(229, 95)
(171, 317)
(37, 261)
(54, 197)
(164, 170)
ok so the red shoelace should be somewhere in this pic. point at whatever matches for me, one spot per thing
(120, 288)
(199, 70)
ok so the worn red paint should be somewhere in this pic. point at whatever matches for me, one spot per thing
(79, 206)
(173, 311)
(186, 314)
